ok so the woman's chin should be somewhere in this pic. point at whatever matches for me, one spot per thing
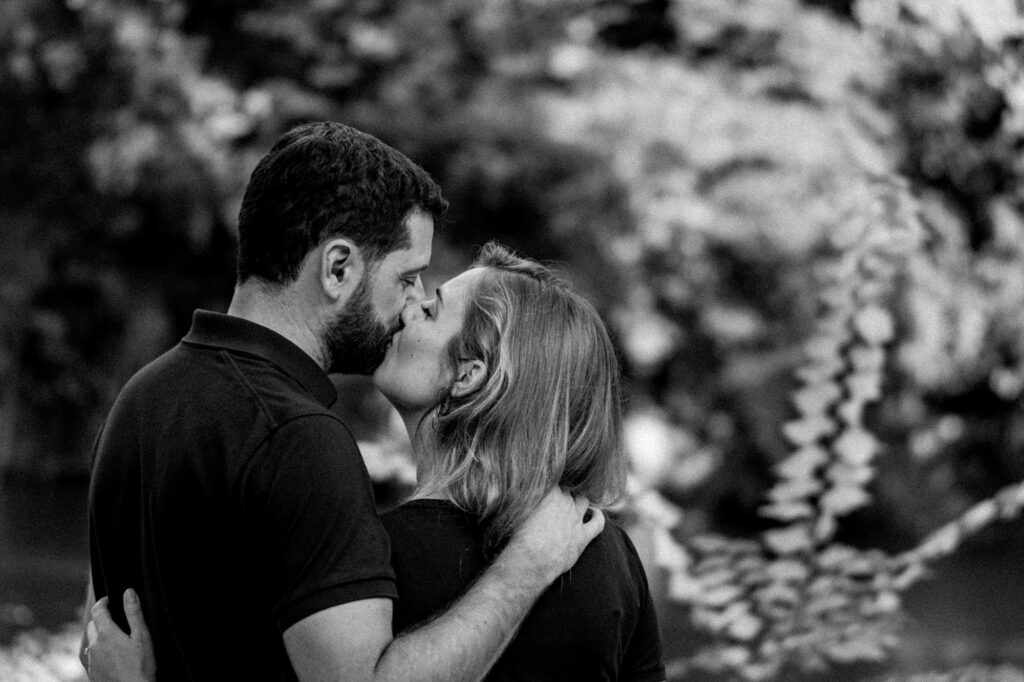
(402, 401)
(385, 382)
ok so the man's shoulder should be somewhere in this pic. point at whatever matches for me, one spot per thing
(313, 432)
(277, 393)
(225, 381)
(154, 383)
(178, 369)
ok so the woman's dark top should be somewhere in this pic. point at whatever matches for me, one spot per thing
(596, 622)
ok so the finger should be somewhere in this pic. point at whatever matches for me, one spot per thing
(101, 615)
(593, 527)
(90, 634)
(133, 612)
(83, 649)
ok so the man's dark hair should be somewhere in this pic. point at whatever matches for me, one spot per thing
(322, 180)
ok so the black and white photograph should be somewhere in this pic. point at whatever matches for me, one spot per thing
(512, 340)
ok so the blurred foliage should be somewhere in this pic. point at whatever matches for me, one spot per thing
(803, 221)
(41, 656)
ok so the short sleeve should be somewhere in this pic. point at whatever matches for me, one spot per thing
(643, 660)
(307, 505)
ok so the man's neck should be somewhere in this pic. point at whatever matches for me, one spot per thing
(281, 311)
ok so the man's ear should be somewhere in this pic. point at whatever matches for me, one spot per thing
(470, 375)
(341, 268)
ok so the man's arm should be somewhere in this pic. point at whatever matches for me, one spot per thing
(90, 599)
(353, 641)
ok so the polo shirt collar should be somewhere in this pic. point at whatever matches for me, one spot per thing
(216, 330)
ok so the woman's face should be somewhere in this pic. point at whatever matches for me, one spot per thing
(416, 374)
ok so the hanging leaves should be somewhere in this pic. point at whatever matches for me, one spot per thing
(867, 359)
(789, 540)
(820, 370)
(864, 386)
(795, 489)
(682, 587)
(852, 411)
(787, 511)
(817, 399)
(843, 473)
(865, 647)
(823, 347)
(808, 430)
(802, 463)
(856, 446)
(813, 586)
(844, 498)
(798, 598)
(788, 570)
(719, 596)
(668, 553)
(744, 626)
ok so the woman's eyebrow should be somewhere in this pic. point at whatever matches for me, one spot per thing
(440, 298)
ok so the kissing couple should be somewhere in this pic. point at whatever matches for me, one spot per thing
(233, 531)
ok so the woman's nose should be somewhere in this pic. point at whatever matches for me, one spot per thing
(412, 312)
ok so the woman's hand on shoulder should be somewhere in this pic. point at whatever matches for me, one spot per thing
(112, 655)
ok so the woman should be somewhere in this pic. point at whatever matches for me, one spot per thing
(507, 383)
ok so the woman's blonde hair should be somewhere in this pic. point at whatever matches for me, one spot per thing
(549, 412)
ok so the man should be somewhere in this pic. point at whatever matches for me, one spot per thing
(237, 503)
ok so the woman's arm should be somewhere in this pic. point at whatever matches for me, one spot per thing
(113, 656)
(83, 647)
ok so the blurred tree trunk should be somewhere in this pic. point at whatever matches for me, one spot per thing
(8, 419)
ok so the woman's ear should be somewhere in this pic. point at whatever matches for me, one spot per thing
(469, 377)
(341, 268)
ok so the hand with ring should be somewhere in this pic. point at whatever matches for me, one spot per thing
(113, 656)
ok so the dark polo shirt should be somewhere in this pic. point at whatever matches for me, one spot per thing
(228, 494)
(596, 623)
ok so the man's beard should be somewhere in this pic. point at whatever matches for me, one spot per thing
(355, 342)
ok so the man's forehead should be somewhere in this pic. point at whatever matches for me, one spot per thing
(408, 260)
(420, 227)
